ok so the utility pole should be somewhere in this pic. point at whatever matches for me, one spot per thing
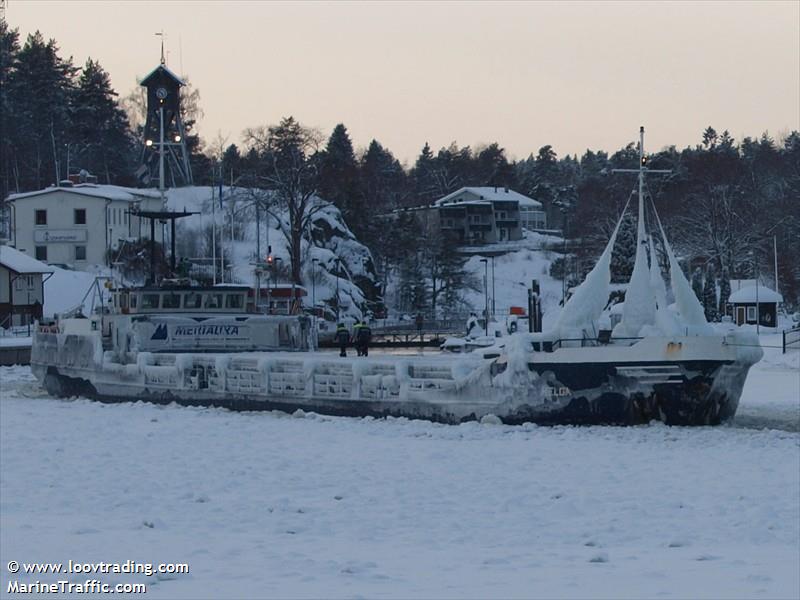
(493, 296)
(775, 251)
(486, 295)
(337, 262)
(214, 232)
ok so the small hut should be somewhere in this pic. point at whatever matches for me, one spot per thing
(755, 303)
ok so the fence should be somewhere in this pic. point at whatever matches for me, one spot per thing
(9, 330)
(791, 339)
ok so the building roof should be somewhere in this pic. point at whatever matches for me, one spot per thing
(109, 192)
(19, 262)
(491, 194)
(748, 294)
(166, 71)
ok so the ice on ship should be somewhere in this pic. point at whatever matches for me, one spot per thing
(204, 347)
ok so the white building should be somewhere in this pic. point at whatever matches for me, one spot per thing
(21, 287)
(77, 226)
(480, 215)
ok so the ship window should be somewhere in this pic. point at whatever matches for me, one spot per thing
(171, 301)
(213, 301)
(233, 301)
(192, 300)
(150, 300)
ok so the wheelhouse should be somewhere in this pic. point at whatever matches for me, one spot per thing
(147, 300)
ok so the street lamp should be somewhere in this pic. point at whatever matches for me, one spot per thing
(486, 294)
(754, 264)
(274, 276)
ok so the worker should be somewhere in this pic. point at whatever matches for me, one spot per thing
(356, 327)
(342, 338)
(363, 336)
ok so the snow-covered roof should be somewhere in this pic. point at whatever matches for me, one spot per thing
(492, 194)
(19, 262)
(109, 192)
(165, 69)
(748, 294)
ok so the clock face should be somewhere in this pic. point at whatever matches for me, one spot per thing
(161, 93)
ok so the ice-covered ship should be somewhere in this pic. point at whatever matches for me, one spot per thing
(207, 347)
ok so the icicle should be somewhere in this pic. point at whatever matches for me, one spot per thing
(666, 320)
(591, 296)
(656, 280)
(640, 306)
(688, 305)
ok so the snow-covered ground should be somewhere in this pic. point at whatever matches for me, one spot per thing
(266, 505)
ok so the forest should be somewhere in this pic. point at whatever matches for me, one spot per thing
(727, 204)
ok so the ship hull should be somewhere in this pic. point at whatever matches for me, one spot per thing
(674, 392)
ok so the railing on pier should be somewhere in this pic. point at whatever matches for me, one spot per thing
(791, 339)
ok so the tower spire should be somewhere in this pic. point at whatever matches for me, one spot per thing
(161, 35)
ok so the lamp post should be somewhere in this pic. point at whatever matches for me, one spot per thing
(486, 294)
(314, 262)
(493, 296)
(337, 262)
(275, 275)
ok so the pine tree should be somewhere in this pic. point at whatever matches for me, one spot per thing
(423, 177)
(710, 296)
(339, 179)
(623, 255)
(9, 163)
(40, 90)
(100, 139)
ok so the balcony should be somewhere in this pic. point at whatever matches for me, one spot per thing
(510, 223)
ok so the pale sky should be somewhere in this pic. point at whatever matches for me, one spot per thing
(575, 75)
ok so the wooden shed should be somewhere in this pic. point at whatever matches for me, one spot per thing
(755, 303)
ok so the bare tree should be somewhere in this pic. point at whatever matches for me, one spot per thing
(289, 167)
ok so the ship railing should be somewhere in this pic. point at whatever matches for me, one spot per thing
(553, 345)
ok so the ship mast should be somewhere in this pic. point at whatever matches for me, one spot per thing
(641, 172)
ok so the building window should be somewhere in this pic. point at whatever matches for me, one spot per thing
(18, 284)
(80, 216)
(80, 252)
(751, 313)
(41, 217)
(30, 282)
(41, 251)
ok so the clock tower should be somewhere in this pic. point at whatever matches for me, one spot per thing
(165, 158)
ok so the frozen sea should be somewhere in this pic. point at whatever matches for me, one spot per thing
(266, 505)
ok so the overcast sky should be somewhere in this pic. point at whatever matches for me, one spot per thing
(574, 75)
